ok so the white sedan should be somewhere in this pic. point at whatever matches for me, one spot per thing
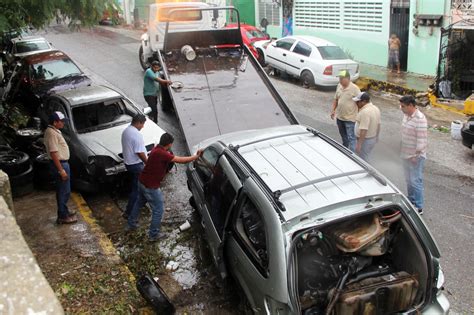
(314, 60)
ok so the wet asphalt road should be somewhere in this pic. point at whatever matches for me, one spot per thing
(113, 59)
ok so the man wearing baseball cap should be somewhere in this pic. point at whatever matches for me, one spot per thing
(58, 153)
(367, 126)
(345, 109)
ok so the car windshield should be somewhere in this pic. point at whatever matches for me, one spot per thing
(53, 69)
(255, 34)
(24, 47)
(332, 53)
(102, 115)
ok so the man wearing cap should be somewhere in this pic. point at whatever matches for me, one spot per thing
(134, 156)
(367, 125)
(151, 87)
(345, 109)
(58, 152)
(413, 149)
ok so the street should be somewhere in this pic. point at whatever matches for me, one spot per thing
(112, 59)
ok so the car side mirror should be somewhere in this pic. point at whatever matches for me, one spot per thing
(147, 110)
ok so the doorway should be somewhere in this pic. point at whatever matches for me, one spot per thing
(400, 25)
(287, 18)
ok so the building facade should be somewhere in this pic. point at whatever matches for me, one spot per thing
(362, 27)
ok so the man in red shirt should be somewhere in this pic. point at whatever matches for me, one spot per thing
(149, 183)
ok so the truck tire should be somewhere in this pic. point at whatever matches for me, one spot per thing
(14, 163)
(144, 63)
(43, 178)
(22, 184)
(165, 100)
(307, 78)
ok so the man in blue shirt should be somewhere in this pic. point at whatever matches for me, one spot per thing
(151, 88)
(134, 156)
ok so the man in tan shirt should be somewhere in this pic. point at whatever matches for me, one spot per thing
(367, 125)
(345, 109)
(58, 153)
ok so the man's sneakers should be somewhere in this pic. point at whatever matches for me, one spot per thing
(70, 219)
(159, 237)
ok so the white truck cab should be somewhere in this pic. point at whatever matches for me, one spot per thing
(152, 41)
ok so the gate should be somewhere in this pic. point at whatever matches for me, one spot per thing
(400, 25)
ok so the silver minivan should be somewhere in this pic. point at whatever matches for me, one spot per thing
(306, 227)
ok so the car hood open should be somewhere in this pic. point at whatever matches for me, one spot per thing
(108, 141)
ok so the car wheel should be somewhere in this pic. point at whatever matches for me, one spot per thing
(261, 57)
(144, 63)
(14, 163)
(307, 79)
(22, 184)
(43, 178)
(165, 100)
(26, 136)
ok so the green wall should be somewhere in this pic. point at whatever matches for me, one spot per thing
(246, 10)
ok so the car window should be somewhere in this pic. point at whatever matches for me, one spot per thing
(24, 47)
(302, 49)
(53, 69)
(332, 53)
(250, 228)
(101, 115)
(206, 163)
(285, 43)
(254, 34)
(220, 195)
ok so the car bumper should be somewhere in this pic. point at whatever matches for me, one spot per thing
(329, 80)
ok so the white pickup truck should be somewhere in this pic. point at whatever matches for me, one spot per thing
(153, 39)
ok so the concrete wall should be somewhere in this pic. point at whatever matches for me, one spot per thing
(23, 287)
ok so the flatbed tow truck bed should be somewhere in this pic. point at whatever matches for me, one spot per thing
(224, 89)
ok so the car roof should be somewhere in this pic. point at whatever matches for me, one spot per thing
(290, 156)
(29, 39)
(88, 94)
(43, 56)
(315, 41)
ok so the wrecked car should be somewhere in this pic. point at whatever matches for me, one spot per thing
(97, 116)
(306, 227)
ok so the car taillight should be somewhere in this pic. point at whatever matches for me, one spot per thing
(328, 70)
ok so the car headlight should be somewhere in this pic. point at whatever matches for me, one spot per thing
(99, 165)
(440, 279)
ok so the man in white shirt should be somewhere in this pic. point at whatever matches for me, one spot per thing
(134, 156)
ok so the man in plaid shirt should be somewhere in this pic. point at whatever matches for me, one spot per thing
(413, 149)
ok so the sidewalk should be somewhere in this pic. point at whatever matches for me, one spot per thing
(382, 79)
(78, 260)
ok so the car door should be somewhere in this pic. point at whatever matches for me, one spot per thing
(277, 53)
(255, 250)
(298, 58)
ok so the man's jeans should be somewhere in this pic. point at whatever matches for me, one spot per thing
(134, 170)
(366, 148)
(152, 101)
(154, 197)
(347, 132)
(63, 189)
(414, 179)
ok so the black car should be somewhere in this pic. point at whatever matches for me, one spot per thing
(36, 76)
(467, 133)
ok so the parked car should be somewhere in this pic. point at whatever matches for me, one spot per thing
(36, 76)
(25, 45)
(467, 133)
(306, 227)
(97, 116)
(250, 35)
(314, 60)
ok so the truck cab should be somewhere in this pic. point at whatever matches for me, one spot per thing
(152, 40)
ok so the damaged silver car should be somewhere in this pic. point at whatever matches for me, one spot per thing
(306, 227)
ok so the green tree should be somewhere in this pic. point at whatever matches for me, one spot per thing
(38, 13)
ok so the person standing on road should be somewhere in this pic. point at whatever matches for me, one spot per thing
(413, 149)
(151, 87)
(345, 109)
(394, 45)
(367, 126)
(58, 153)
(134, 156)
(149, 183)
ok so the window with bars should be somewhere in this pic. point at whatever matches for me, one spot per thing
(340, 14)
(270, 10)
